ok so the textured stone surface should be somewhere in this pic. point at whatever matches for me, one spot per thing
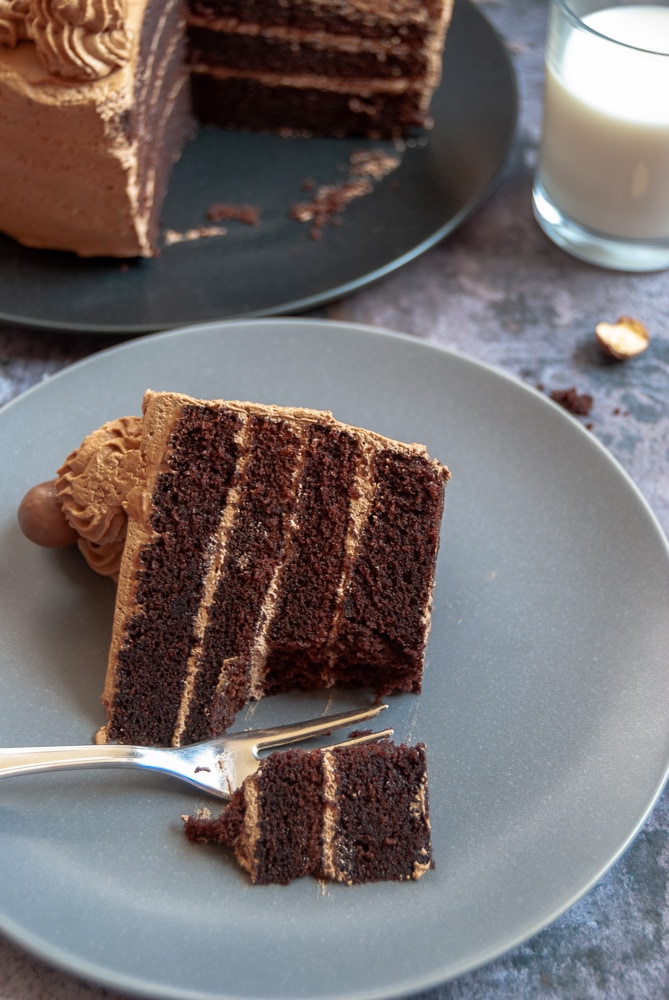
(498, 290)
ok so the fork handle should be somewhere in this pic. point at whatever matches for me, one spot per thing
(32, 760)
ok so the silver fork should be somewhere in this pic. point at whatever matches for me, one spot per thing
(218, 766)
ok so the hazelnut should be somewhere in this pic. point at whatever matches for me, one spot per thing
(42, 520)
(623, 339)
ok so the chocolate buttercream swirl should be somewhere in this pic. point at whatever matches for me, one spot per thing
(80, 39)
(13, 22)
(93, 486)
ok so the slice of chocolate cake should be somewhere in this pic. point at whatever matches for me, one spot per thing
(350, 814)
(268, 549)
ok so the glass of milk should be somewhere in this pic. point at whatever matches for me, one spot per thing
(602, 186)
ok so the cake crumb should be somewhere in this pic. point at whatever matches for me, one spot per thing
(171, 236)
(577, 403)
(328, 200)
(226, 211)
(374, 163)
(365, 168)
(202, 812)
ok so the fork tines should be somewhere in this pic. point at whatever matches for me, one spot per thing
(276, 736)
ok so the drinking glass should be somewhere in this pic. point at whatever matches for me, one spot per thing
(601, 190)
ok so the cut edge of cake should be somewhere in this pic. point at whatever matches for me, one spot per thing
(208, 693)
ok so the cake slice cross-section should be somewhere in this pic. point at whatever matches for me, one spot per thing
(268, 549)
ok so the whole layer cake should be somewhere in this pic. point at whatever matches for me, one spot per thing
(258, 549)
(95, 107)
(353, 814)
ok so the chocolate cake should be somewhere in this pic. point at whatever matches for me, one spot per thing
(268, 549)
(353, 814)
(95, 104)
(317, 66)
(258, 549)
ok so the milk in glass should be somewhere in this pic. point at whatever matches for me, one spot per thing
(605, 147)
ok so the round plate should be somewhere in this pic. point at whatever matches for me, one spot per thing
(543, 709)
(276, 267)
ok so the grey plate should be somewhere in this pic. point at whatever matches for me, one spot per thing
(276, 268)
(544, 705)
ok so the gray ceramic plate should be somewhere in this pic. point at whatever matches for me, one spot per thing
(544, 705)
(275, 267)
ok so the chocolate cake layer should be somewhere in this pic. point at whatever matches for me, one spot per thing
(247, 51)
(408, 20)
(385, 624)
(268, 105)
(308, 606)
(271, 549)
(290, 821)
(383, 829)
(159, 633)
(354, 814)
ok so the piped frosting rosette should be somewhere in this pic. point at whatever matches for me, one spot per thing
(79, 40)
(92, 486)
(13, 22)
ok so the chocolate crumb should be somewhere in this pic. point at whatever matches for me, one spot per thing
(366, 167)
(224, 211)
(328, 201)
(577, 403)
(374, 163)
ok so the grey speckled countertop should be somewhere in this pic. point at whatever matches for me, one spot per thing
(498, 290)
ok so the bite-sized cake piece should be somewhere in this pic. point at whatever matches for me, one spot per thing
(334, 67)
(351, 814)
(268, 549)
(94, 109)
